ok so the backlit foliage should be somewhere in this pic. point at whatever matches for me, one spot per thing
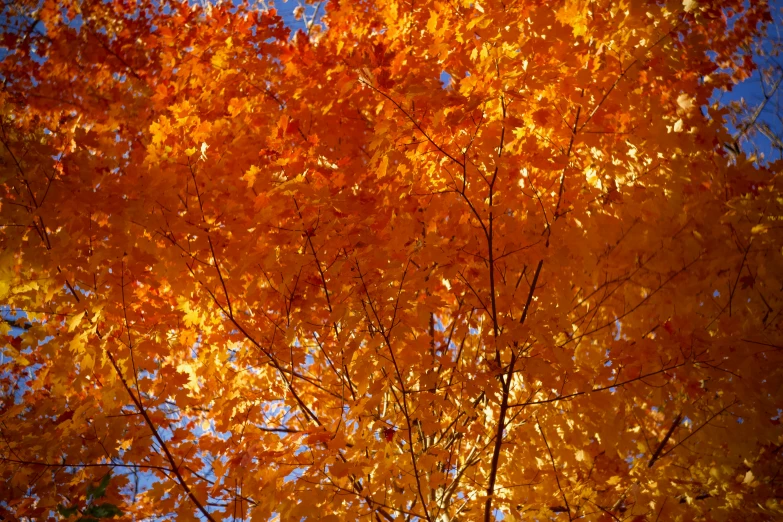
(446, 260)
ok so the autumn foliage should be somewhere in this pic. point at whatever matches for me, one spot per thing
(425, 260)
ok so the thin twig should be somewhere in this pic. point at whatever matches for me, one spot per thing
(554, 468)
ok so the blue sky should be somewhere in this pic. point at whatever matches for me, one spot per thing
(763, 93)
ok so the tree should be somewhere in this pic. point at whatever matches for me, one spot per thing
(431, 261)
(757, 118)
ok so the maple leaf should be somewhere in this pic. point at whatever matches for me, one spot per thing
(66, 415)
(388, 434)
(306, 277)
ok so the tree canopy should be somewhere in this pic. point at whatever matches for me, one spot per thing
(448, 260)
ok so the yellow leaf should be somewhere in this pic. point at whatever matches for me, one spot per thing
(74, 321)
(250, 175)
(77, 344)
(689, 5)
(382, 167)
(189, 369)
(685, 102)
(759, 229)
(432, 24)
(87, 362)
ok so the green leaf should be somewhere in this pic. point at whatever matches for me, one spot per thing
(66, 512)
(98, 491)
(104, 510)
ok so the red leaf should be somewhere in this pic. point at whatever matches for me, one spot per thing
(66, 415)
(668, 327)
